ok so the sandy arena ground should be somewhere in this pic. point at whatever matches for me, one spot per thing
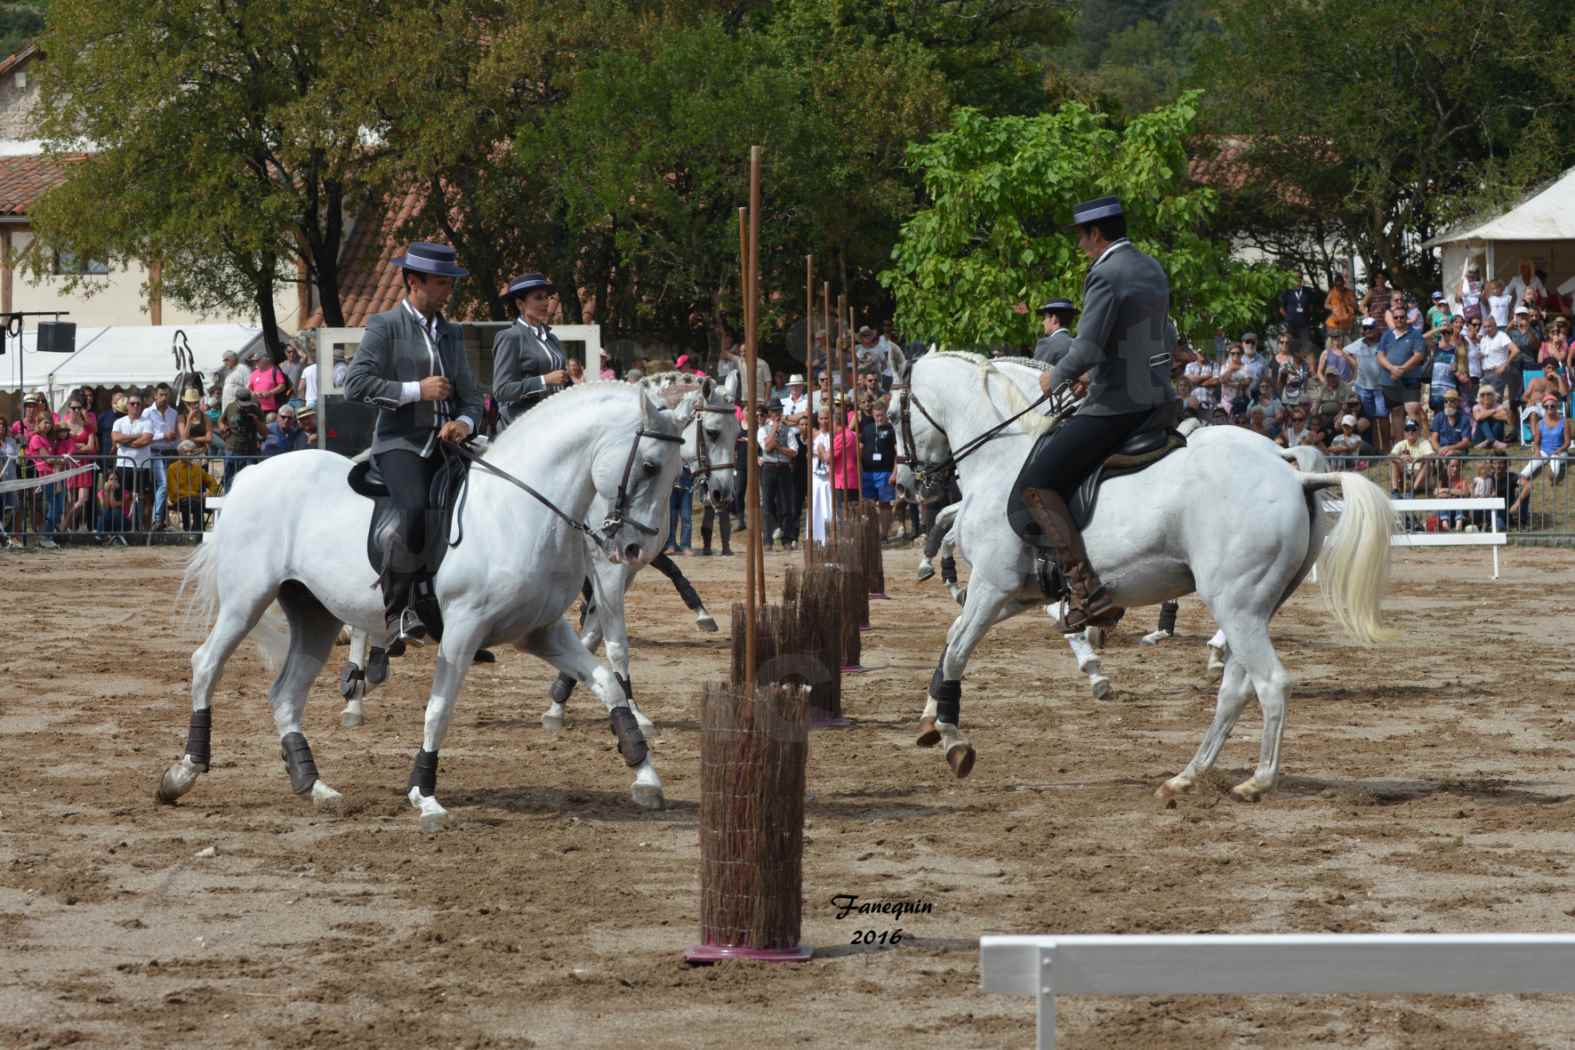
(1429, 787)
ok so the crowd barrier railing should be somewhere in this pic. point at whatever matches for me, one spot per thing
(161, 497)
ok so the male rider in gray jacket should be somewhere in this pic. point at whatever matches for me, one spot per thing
(411, 364)
(1123, 344)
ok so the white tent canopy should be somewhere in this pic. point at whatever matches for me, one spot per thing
(1540, 228)
(125, 354)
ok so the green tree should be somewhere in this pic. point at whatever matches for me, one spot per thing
(218, 142)
(999, 190)
(1379, 122)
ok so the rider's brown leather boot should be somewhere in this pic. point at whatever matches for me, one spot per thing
(1088, 602)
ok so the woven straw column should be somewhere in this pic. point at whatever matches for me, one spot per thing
(752, 759)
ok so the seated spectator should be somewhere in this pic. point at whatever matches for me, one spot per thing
(1316, 436)
(1453, 485)
(190, 484)
(1446, 369)
(1551, 383)
(284, 435)
(1336, 362)
(1234, 378)
(1408, 461)
(1451, 434)
(1326, 397)
(1550, 436)
(1347, 442)
(1490, 422)
(193, 425)
(1296, 429)
(112, 516)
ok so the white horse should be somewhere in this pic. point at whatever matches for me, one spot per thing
(518, 567)
(709, 442)
(1024, 373)
(707, 450)
(1222, 517)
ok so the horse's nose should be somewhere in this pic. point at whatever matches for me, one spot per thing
(631, 553)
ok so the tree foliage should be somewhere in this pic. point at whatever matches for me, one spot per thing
(1379, 122)
(218, 140)
(1000, 189)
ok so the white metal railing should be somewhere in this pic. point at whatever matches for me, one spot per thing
(1273, 964)
(1492, 536)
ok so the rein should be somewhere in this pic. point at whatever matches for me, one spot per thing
(615, 519)
(703, 464)
(934, 476)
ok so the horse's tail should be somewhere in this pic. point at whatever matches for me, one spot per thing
(1353, 569)
(201, 579)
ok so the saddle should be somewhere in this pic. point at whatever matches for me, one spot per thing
(448, 485)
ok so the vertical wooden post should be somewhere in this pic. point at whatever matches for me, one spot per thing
(751, 462)
(807, 433)
(758, 535)
(156, 292)
(834, 354)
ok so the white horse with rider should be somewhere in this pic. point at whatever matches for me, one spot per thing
(1221, 517)
(294, 533)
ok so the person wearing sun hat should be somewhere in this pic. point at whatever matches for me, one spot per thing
(411, 364)
(528, 360)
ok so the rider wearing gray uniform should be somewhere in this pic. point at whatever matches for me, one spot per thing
(1123, 344)
(1057, 341)
(411, 364)
(528, 362)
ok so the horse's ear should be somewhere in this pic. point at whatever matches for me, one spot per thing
(687, 408)
(707, 387)
(731, 386)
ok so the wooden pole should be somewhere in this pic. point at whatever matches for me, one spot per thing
(751, 465)
(807, 431)
(757, 535)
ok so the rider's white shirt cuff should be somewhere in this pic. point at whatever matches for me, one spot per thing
(471, 423)
(409, 392)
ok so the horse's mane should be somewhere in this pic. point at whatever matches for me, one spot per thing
(567, 400)
(1027, 362)
(687, 382)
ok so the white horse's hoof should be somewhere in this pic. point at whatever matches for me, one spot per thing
(552, 721)
(1096, 637)
(177, 780)
(1176, 785)
(1155, 637)
(1251, 790)
(960, 756)
(1216, 665)
(648, 796)
(344, 635)
(925, 570)
(433, 815)
(326, 798)
(351, 716)
(1101, 686)
(706, 622)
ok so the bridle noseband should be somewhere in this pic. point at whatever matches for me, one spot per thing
(703, 465)
(615, 518)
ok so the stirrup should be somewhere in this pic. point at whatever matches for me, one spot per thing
(406, 627)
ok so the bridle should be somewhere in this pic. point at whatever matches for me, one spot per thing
(616, 518)
(703, 466)
(932, 479)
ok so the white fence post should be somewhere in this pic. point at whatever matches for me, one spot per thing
(1493, 536)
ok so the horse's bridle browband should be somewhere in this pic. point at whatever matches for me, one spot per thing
(614, 520)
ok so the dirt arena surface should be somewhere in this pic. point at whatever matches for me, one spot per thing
(1430, 786)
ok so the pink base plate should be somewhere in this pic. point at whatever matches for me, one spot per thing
(881, 597)
(854, 669)
(866, 627)
(819, 721)
(710, 953)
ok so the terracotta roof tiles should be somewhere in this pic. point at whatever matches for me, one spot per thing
(24, 179)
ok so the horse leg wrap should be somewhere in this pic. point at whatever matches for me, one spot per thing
(631, 742)
(948, 570)
(1167, 616)
(377, 666)
(423, 776)
(297, 755)
(628, 686)
(199, 736)
(562, 688)
(948, 699)
(352, 682)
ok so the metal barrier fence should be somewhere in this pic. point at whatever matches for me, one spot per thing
(1545, 516)
(50, 501)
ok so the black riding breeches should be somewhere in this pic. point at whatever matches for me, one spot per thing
(408, 478)
(1061, 460)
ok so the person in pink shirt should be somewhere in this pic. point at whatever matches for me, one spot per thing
(48, 448)
(845, 459)
(267, 382)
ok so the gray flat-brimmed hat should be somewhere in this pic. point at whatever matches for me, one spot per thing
(438, 260)
(1055, 305)
(527, 283)
(1096, 209)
